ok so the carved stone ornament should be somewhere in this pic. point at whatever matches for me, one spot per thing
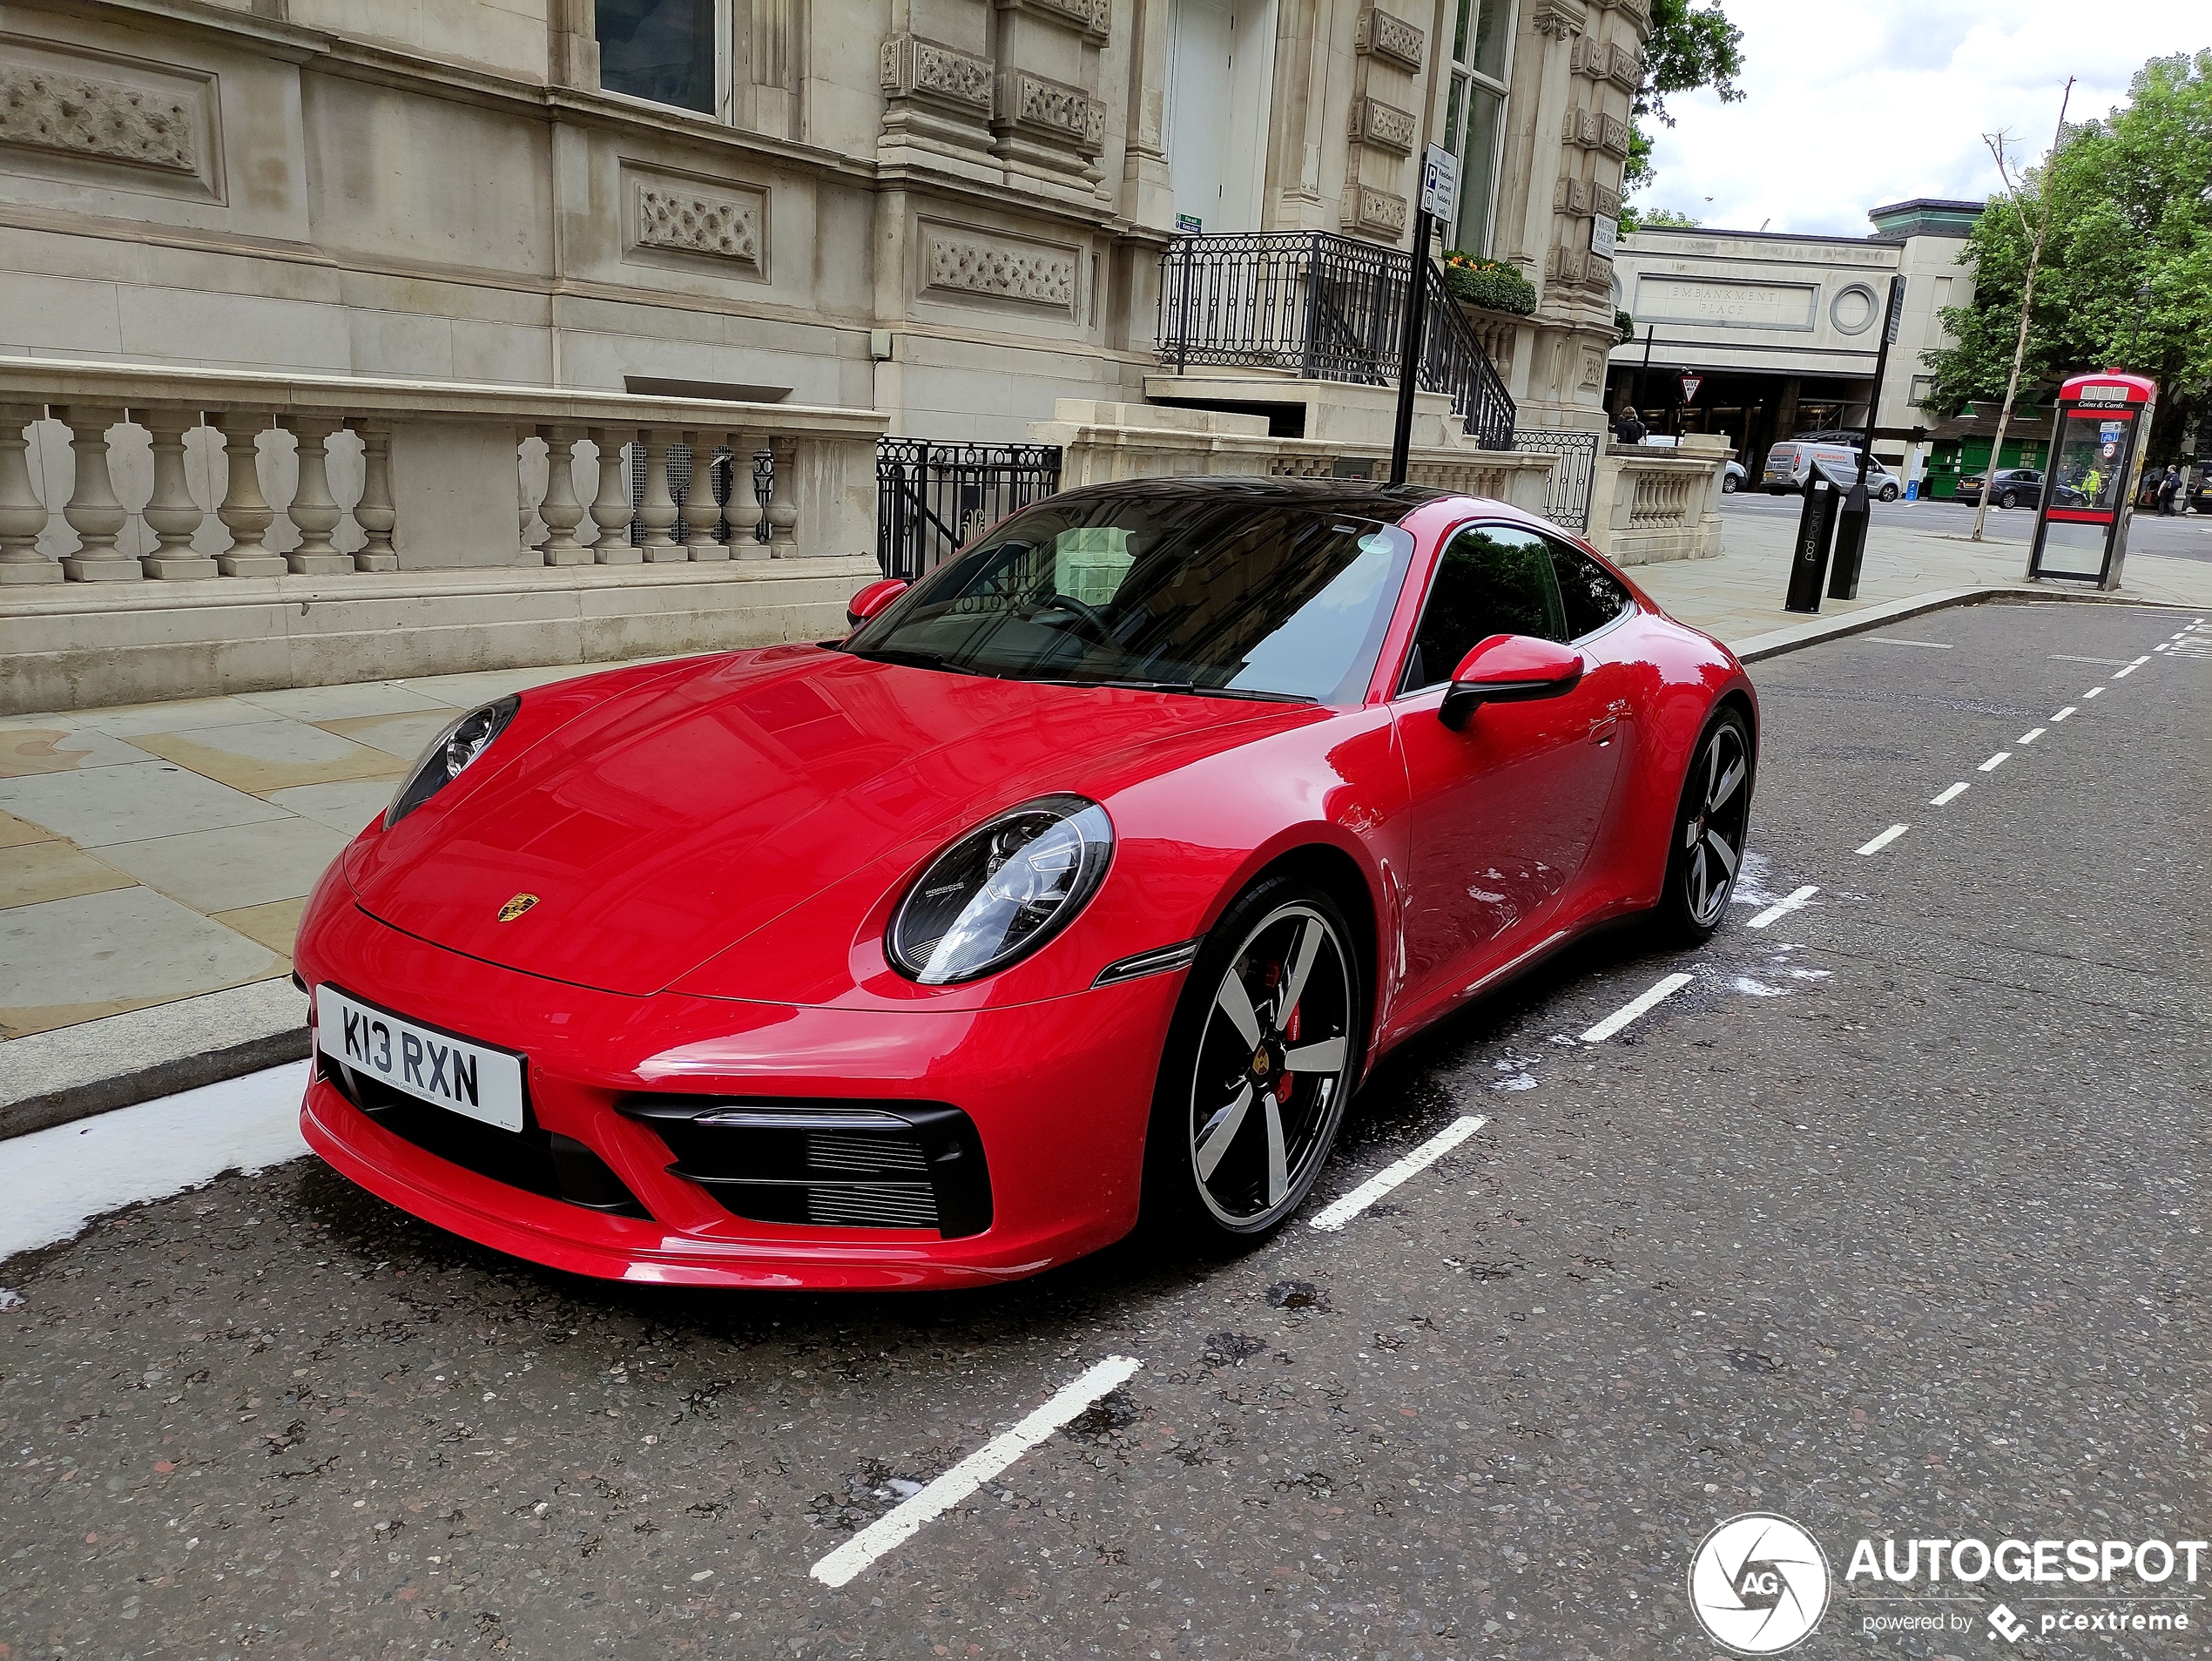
(1385, 36)
(1613, 135)
(1094, 17)
(1051, 110)
(1558, 19)
(1001, 268)
(1606, 202)
(1624, 66)
(1383, 126)
(86, 115)
(913, 67)
(1376, 212)
(1571, 195)
(699, 222)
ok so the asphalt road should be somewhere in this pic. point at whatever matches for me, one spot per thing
(2182, 535)
(1891, 1221)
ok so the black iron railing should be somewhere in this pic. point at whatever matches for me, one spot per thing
(1567, 496)
(931, 498)
(1326, 308)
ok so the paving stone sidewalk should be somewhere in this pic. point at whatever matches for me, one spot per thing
(156, 853)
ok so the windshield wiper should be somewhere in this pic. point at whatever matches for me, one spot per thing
(1190, 688)
(913, 658)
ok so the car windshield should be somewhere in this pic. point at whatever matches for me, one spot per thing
(1229, 596)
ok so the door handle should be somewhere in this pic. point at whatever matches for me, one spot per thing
(1603, 733)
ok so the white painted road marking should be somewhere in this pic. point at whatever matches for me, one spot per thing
(2068, 657)
(1635, 1007)
(53, 1182)
(1995, 761)
(2063, 713)
(1885, 838)
(903, 1520)
(1932, 645)
(2122, 674)
(1784, 906)
(1343, 1210)
(2031, 735)
(1951, 794)
(2095, 692)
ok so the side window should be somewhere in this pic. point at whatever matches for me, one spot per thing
(1492, 580)
(1590, 595)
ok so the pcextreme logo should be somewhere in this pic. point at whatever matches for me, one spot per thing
(1759, 1583)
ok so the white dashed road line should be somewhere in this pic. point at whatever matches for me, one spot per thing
(2068, 657)
(1784, 906)
(1951, 794)
(1635, 1007)
(2069, 710)
(1892, 640)
(1995, 761)
(2031, 735)
(1343, 1210)
(1885, 838)
(905, 1519)
(2122, 674)
(2095, 692)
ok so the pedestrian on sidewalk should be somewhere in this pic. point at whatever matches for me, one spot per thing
(1629, 428)
(2169, 488)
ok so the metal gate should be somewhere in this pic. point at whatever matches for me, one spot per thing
(1567, 496)
(931, 498)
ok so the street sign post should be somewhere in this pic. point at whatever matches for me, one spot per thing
(1439, 182)
(1851, 522)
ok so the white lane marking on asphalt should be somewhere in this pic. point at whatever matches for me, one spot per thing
(2122, 674)
(2095, 692)
(2063, 713)
(1784, 906)
(2140, 662)
(2031, 735)
(1995, 761)
(2163, 645)
(2068, 657)
(1932, 645)
(53, 1182)
(1885, 838)
(1343, 1210)
(1635, 1007)
(903, 1520)
(1951, 794)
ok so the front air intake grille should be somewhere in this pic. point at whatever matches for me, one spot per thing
(538, 1162)
(828, 1165)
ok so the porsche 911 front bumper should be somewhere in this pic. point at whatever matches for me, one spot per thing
(613, 1177)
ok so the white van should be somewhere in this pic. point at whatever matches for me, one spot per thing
(1789, 462)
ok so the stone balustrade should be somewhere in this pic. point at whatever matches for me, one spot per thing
(1651, 503)
(113, 473)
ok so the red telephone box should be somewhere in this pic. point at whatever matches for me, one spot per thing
(2097, 443)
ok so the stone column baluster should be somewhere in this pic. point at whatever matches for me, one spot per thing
(744, 510)
(314, 511)
(611, 504)
(375, 513)
(783, 505)
(658, 509)
(246, 512)
(22, 515)
(700, 511)
(171, 513)
(526, 551)
(560, 509)
(94, 513)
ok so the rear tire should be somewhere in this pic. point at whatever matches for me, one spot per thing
(1260, 1062)
(1728, 484)
(1888, 493)
(2008, 500)
(1706, 847)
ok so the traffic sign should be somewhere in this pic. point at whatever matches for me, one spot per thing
(1439, 181)
(1690, 385)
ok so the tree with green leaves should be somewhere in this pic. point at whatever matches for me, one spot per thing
(2125, 278)
(1690, 47)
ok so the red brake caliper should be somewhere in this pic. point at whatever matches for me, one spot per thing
(1289, 1036)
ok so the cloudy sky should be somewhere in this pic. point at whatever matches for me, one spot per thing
(1853, 104)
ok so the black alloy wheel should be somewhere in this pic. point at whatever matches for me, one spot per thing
(1261, 1059)
(2008, 500)
(1707, 849)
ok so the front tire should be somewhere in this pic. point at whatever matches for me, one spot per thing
(2008, 500)
(1706, 850)
(1728, 484)
(1261, 1058)
(1888, 493)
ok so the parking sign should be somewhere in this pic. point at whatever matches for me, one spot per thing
(1439, 181)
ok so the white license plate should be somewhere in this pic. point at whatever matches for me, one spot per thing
(470, 1078)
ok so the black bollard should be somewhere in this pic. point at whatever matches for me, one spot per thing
(1850, 542)
(1815, 525)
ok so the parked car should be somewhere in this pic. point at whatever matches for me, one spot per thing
(1790, 462)
(1733, 478)
(1084, 880)
(2018, 487)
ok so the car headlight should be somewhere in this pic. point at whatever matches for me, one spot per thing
(1002, 891)
(452, 750)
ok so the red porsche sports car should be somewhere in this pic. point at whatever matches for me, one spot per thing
(1086, 877)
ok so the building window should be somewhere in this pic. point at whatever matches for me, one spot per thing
(665, 51)
(1474, 113)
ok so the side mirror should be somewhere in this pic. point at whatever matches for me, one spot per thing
(873, 599)
(1509, 669)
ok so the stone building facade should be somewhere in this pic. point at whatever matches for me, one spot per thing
(949, 211)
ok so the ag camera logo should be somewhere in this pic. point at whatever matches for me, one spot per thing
(1759, 1583)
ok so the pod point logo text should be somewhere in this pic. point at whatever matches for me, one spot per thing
(1759, 1583)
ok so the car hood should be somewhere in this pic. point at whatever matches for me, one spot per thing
(657, 827)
